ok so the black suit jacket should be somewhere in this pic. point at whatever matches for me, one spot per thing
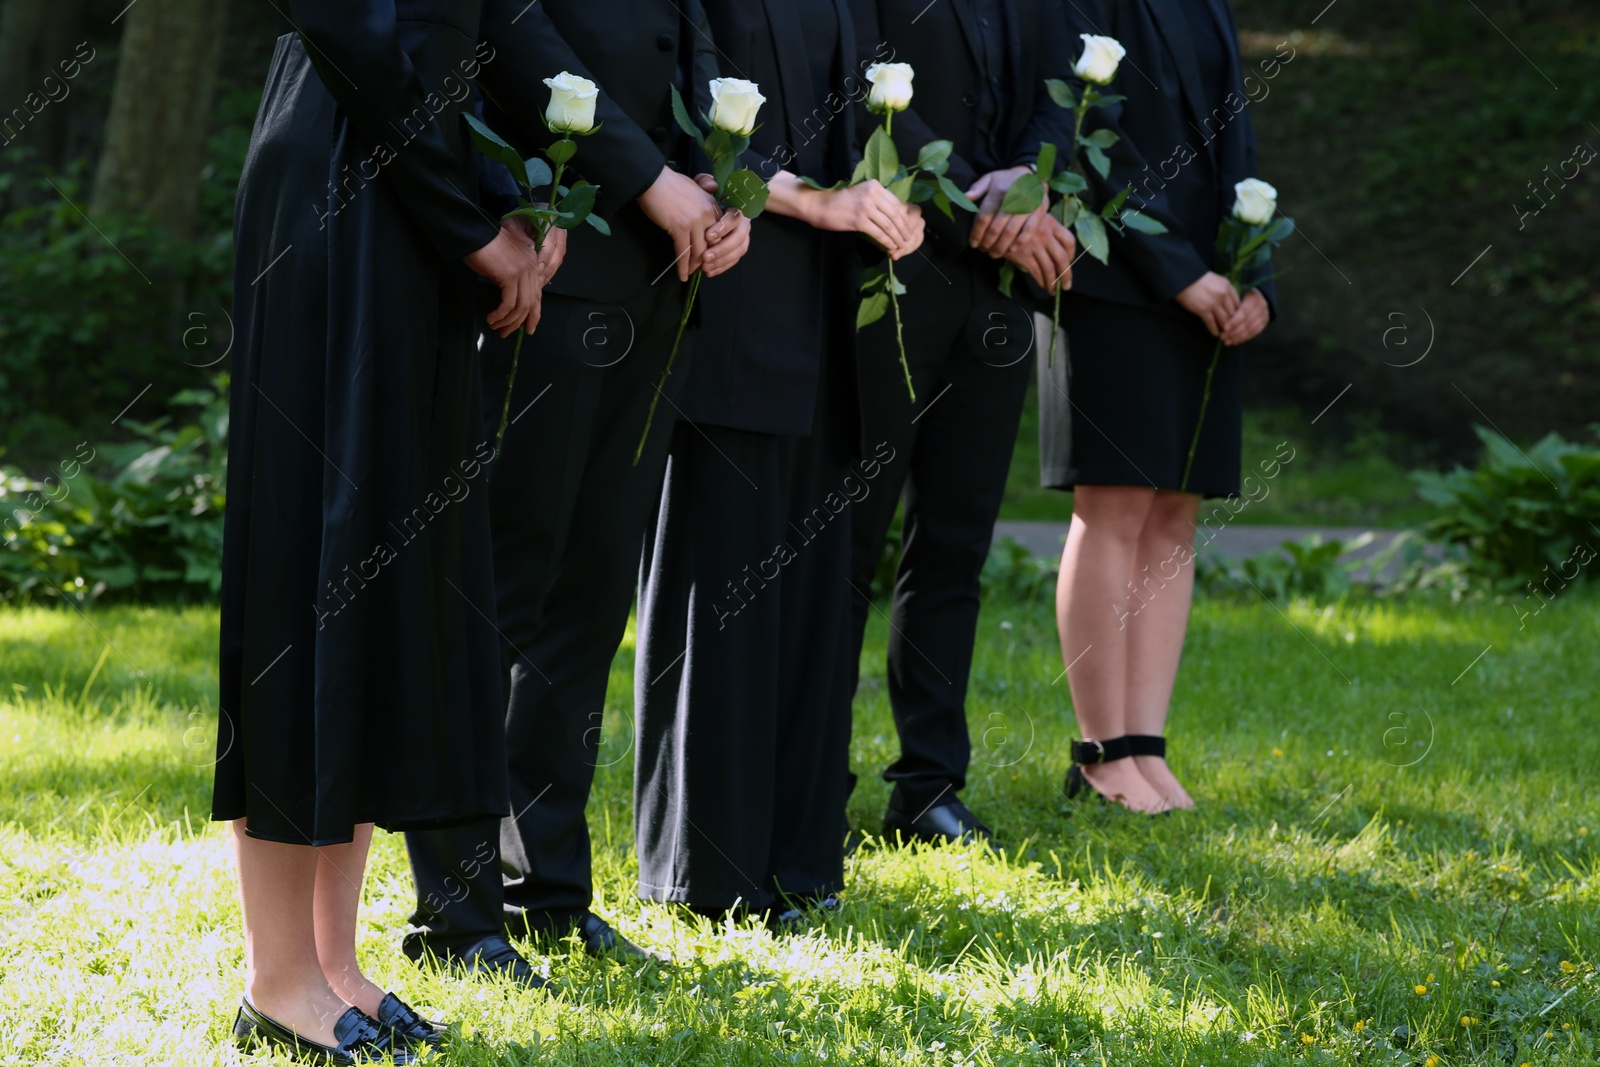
(940, 42)
(764, 323)
(1180, 155)
(635, 50)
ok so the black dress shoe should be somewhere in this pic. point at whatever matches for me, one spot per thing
(600, 939)
(943, 824)
(407, 1029)
(360, 1040)
(492, 956)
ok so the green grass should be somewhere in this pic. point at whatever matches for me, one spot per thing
(1357, 482)
(1287, 920)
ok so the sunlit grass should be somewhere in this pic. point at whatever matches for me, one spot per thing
(1382, 809)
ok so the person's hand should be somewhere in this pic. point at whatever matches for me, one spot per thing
(727, 242)
(1047, 254)
(683, 209)
(993, 232)
(512, 263)
(1213, 298)
(868, 209)
(1249, 320)
(553, 254)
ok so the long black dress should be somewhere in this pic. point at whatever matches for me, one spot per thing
(1138, 360)
(741, 685)
(359, 664)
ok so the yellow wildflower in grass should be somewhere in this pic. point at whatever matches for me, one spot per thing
(1568, 965)
(1431, 1061)
(1468, 1020)
(1583, 831)
(1361, 1024)
(1494, 983)
(1429, 978)
(1278, 752)
(1307, 1039)
(1422, 990)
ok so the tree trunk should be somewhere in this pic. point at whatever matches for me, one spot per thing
(156, 131)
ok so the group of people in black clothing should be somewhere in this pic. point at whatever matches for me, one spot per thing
(418, 620)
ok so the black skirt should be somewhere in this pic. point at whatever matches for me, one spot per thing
(1137, 379)
(359, 658)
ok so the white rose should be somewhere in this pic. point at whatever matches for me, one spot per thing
(1100, 58)
(572, 101)
(891, 86)
(734, 103)
(1254, 201)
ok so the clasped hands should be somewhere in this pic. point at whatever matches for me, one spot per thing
(1035, 242)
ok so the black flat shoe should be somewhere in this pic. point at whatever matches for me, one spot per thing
(360, 1039)
(405, 1027)
(601, 940)
(945, 824)
(492, 956)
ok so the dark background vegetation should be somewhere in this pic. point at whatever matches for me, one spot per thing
(1400, 136)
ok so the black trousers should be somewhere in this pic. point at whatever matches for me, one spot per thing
(568, 512)
(971, 354)
(741, 686)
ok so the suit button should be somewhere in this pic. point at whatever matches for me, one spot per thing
(658, 134)
(666, 42)
(970, 99)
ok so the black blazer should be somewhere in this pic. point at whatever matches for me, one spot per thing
(940, 42)
(764, 323)
(1180, 156)
(634, 50)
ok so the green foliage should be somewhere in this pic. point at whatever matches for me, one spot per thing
(93, 313)
(1521, 515)
(151, 532)
(1012, 572)
(1309, 567)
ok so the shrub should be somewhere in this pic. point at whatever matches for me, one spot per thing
(1520, 515)
(153, 531)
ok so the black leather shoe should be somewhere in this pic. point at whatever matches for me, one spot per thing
(600, 939)
(360, 1039)
(407, 1029)
(492, 956)
(943, 824)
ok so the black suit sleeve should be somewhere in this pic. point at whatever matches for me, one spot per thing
(1168, 262)
(355, 47)
(619, 156)
(1051, 123)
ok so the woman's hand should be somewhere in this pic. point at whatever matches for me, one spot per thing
(512, 262)
(868, 209)
(680, 206)
(1251, 318)
(728, 239)
(1213, 298)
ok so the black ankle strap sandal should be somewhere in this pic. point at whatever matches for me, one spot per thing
(1146, 745)
(1091, 753)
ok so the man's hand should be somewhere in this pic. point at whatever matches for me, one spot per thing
(1251, 318)
(683, 209)
(993, 232)
(1214, 299)
(1046, 252)
(554, 252)
(512, 263)
(868, 209)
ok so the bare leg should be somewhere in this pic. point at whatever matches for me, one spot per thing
(1164, 583)
(283, 976)
(340, 869)
(1091, 616)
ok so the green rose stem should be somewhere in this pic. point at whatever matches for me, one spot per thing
(683, 321)
(540, 230)
(1205, 402)
(894, 297)
(1080, 111)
